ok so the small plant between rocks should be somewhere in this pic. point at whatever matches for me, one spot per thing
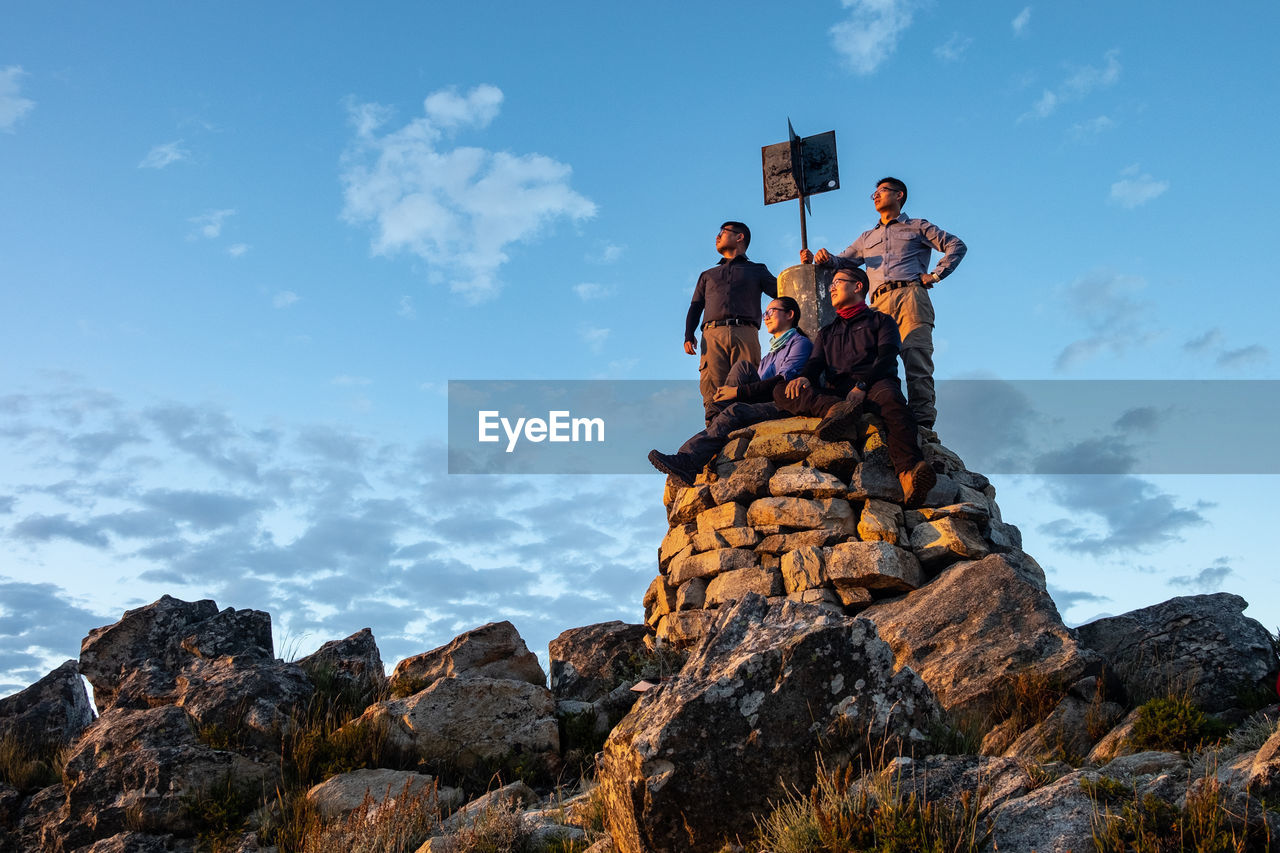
(842, 816)
(27, 767)
(1173, 724)
(1205, 824)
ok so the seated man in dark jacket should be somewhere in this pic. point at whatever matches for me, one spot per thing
(856, 359)
(744, 398)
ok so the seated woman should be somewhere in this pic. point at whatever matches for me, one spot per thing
(746, 397)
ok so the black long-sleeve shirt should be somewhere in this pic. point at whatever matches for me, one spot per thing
(859, 351)
(731, 288)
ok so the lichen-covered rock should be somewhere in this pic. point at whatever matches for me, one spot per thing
(746, 481)
(933, 631)
(1201, 646)
(352, 664)
(465, 721)
(1057, 818)
(872, 565)
(737, 584)
(804, 481)
(674, 770)
(48, 714)
(338, 796)
(495, 650)
(588, 663)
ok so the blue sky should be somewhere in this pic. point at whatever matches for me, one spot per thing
(243, 248)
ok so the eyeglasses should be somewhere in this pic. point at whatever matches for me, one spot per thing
(880, 190)
(769, 312)
(729, 230)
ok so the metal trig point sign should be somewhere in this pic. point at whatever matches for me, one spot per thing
(800, 168)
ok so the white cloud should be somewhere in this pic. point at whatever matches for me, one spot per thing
(611, 253)
(237, 250)
(1106, 304)
(165, 155)
(458, 208)
(595, 338)
(1080, 83)
(12, 105)
(589, 290)
(406, 308)
(1083, 131)
(953, 48)
(1019, 23)
(1136, 188)
(285, 298)
(209, 225)
(870, 34)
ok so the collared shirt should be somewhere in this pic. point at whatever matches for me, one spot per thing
(900, 251)
(732, 288)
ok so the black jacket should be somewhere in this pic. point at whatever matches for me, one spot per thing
(859, 351)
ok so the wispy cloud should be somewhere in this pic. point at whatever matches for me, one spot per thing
(1136, 188)
(209, 225)
(1078, 84)
(238, 250)
(595, 338)
(608, 254)
(406, 309)
(1211, 339)
(590, 290)
(165, 155)
(284, 299)
(869, 35)
(1085, 131)
(1020, 22)
(1118, 514)
(1244, 356)
(1213, 342)
(1208, 579)
(953, 48)
(460, 209)
(12, 105)
(1106, 304)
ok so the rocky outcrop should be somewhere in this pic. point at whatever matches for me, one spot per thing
(589, 663)
(50, 713)
(781, 513)
(768, 688)
(1202, 647)
(494, 650)
(353, 664)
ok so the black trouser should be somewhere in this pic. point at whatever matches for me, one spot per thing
(884, 397)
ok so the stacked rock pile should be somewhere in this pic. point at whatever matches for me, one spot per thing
(784, 514)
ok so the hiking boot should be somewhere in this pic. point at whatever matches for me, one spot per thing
(839, 420)
(672, 466)
(916, 484)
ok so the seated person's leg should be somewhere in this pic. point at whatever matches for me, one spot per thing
(701, 448)
(914, 473)
(809, 403)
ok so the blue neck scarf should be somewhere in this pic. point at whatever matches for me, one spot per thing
(778, 340)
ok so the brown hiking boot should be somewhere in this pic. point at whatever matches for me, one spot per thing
(839, 420)
(916, 484)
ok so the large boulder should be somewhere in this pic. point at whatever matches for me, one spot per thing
(1200, 646)
(981, 632)
(465, 722)
(739, 727)
(138, 770)
(495, 650)
(352, 665)
(135, 663)
(338, 796)
(588, 663)
(48, 714)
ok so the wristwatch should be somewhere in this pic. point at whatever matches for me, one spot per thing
(936, 278)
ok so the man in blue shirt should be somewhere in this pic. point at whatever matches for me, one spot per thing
(896, 254)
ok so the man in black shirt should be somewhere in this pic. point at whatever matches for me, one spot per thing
(856, 359)
(727, 299)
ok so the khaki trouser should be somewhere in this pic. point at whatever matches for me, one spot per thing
(912, 309)
(721, 347)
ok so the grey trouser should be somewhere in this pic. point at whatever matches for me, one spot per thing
(912, 309)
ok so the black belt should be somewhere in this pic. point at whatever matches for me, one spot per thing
(894, 285)
(731, 321)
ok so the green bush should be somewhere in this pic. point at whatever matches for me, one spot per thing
(1173, 724)
(1204, 825)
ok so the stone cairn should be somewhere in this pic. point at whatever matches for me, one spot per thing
(784, 514)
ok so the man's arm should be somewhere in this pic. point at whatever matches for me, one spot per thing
(951, 247)
(768, 283)
(888, 345)
(698, 302)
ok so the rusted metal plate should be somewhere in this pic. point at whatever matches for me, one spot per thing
(818, 166)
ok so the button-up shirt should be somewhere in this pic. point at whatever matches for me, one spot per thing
(731, 288)
(899, 251)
